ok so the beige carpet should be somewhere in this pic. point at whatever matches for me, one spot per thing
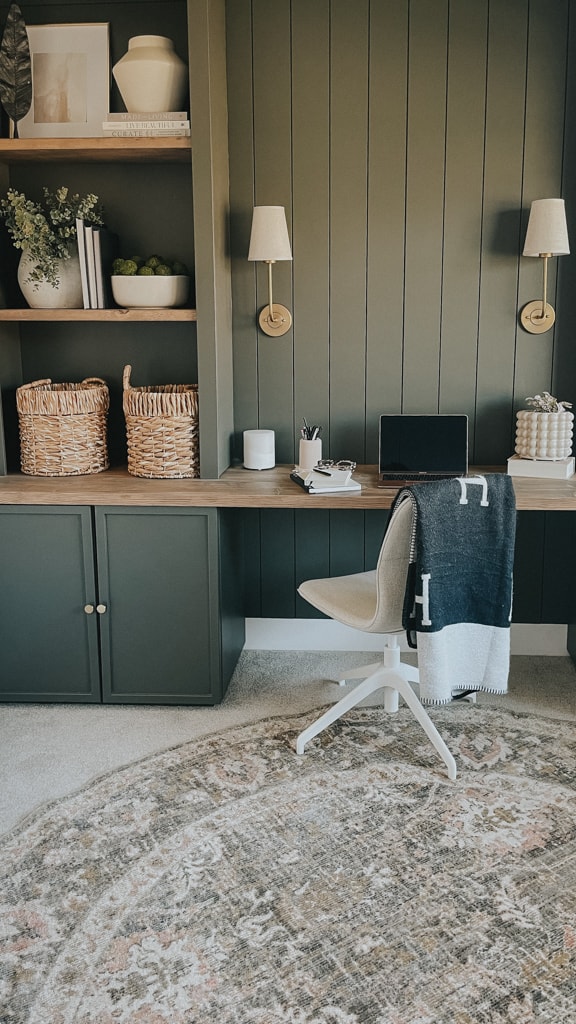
(48, 751)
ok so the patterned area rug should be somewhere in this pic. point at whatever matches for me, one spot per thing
(229, 881)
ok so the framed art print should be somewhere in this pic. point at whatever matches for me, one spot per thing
(70, 81)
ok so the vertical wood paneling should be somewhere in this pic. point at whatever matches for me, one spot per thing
(348, 226)
(273, 187)
(310, 211)
(278, 564)
(241, 146)
(252, 567)
(564, 360)
(312, 552)
(506, 91)
(424, 203)
(545, 96)
(388, 58)
(466, 108)
(406, 140)
(346, 542)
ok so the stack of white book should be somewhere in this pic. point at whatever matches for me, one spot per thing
(130, 125)
(96, 249)
(323, 481)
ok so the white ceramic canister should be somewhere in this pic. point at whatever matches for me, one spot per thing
(259, 449)
(309, 453)
(151, 76)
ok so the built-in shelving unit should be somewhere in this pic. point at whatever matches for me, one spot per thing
(163, 549)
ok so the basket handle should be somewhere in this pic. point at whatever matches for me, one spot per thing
(35, 384)
(126, 376)
(93, 380)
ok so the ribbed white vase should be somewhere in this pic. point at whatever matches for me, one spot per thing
(43, 295)
(544, 435)
(151, 76)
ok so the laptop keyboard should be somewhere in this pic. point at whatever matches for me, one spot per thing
(417, 478)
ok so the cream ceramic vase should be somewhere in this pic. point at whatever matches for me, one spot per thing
(43, 295)
(151, 76)
(544, 435)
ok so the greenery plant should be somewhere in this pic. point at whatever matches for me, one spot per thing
(46, 233)
(547, 403)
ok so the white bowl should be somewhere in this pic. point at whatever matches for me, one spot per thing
(150, 292)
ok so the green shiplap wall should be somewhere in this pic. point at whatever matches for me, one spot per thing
(406, 140)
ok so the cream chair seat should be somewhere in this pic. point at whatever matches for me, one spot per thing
(373, 602)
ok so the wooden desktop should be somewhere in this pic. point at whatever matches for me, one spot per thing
(242, 488)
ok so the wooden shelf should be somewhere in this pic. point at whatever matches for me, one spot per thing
(115, 316)
(242, 488)
(174, 149)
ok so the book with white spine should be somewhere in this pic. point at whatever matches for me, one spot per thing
(110, 126)
(155, 115)
(145, 133)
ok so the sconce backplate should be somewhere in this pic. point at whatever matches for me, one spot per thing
(532, 320)
(278, 326)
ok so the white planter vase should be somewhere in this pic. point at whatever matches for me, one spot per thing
(151, 76)
(43, 295)
(544, 435)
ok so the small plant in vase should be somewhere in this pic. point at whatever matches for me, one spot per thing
(47, 236)
(544, 431)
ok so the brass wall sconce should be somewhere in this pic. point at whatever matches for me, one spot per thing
(546, 236)
(269, 242)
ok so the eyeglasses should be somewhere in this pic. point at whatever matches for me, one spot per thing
(330, 464)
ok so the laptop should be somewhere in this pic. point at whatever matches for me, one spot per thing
(414, 449)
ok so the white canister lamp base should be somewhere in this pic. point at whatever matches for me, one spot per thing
(259, 449)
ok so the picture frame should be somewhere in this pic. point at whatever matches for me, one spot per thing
(70, 81)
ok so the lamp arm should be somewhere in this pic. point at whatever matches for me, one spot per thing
(271, 315)
(545, 257)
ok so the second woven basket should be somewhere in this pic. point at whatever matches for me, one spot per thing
(161, 429)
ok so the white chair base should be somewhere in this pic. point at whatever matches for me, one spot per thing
(394, 677)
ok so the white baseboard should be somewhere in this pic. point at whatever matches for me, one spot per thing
(327, 635)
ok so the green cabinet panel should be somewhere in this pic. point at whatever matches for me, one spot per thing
(120, 605)
(48, 642)
(158, 579)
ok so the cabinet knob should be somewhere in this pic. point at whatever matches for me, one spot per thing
(89, 608)
(101, 608)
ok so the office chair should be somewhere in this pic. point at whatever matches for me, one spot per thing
(373, 602)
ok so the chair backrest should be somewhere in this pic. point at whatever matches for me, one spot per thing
(392, 570)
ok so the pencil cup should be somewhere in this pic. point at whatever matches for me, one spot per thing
(259, 449)
(310, 453)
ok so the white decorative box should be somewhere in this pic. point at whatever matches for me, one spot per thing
(560, 469)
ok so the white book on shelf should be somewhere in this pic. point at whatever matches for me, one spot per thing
(153, 115)
(81, 242)
(110, 126)
(98, 273)
(144, 133)
(105, 246)
(90, 265)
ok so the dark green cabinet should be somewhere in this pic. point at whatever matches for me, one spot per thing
(48, 641)
(124, 605)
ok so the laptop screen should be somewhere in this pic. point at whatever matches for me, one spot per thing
(423, 445)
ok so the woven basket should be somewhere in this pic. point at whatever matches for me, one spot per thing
(162, 429)
(63, 427)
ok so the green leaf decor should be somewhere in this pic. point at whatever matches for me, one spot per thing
(15, 67)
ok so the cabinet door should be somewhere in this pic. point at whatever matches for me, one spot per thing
(48, 642)
(158, 583)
